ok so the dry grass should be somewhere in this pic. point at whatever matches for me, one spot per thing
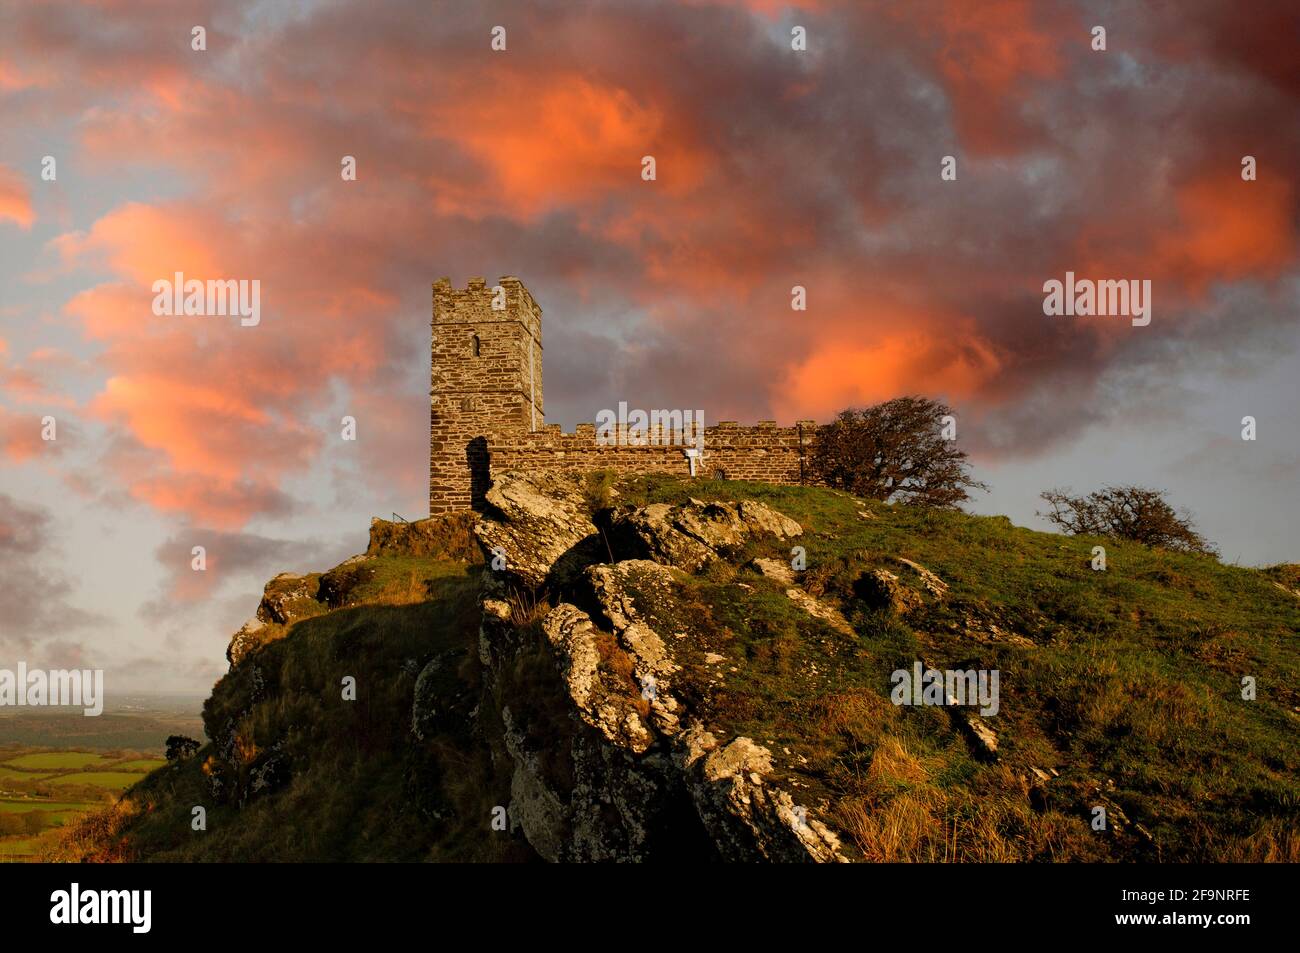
(861, 716)
(526, 608)
(94, 838)
(1273, 843)
(900, 814)
(619, 663)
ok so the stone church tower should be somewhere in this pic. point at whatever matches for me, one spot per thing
(486, 382)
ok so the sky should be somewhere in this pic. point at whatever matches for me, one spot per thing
(774, 167)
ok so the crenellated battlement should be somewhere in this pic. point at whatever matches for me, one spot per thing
(486, 411)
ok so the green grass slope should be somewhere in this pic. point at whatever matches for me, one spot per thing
(322, 778)
(1120, 689)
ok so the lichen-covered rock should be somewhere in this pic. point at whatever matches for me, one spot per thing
(539, 529)
(290, 597)
(773, 569)
(749, 816)
(618, 588)
(338, 587)
(245, 640)
(603, 696)
(820, 610)
(929, 581)
(589, 696)
(693, 534)
(426, 705)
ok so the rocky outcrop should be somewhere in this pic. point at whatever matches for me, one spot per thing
(249, 637)
(538, 530)
(929, 581)
(820, 610)
(610, 760)
(338, 586)
(693, 534)
(748, 816)
(601, 691)
(781, 573)
(286, 599)
(289, 597)
(773, 569)
(900, 593)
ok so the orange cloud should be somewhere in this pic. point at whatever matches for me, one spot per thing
(1229, 229)
(843, 371)
(15, 200)
(577, 139)
(992, 56)
(219, 412)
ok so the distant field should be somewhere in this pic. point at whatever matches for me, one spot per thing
(129, 723)
(42, 790)
(55, 759)
(116, 780)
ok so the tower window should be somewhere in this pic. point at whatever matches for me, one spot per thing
(478, 346)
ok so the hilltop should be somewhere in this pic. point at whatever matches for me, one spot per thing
(651, 667)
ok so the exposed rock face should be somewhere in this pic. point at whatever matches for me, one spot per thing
(590, 779)
(430, 708)
(337, 585)
(539, 526)
(286, 599)
(244, 641)
(610, 762)
(604, 700)
(819, 610)
(285, 596)
(693, 534)
(900, 594)
(929, 581)
(748, 816)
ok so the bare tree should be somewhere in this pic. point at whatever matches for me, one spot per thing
(895, 450)
(1127, 512)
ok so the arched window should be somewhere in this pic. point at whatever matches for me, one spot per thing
(478, 346)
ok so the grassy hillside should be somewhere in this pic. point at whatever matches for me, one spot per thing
(1126, 683)
(1119, 688)
(326, 778)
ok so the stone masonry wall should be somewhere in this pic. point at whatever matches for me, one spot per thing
(765, 452)
(486, 410)
(496, 391)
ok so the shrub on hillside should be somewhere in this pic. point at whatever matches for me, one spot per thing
(179, 747)
(897, 450)
(1126, 512)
